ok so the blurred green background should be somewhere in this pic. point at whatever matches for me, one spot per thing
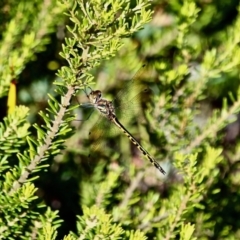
(59, 187)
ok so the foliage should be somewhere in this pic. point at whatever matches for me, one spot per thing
(120, 196)
(97, 224)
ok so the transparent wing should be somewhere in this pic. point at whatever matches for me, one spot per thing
(130, 89)
(129, 99)
(102, 130)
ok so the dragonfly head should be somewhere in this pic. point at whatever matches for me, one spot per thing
(95, 96)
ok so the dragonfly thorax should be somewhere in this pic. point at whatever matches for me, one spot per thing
(104, 106)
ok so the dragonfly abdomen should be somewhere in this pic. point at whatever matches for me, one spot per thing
(136, 143)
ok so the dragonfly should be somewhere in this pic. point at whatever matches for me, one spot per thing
(107, 109)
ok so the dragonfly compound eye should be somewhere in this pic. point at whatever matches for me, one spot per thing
(98, 94)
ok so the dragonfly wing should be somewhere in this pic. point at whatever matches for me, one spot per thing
(129, 109)
(131, 88)
(102, 130)
(129, 100)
